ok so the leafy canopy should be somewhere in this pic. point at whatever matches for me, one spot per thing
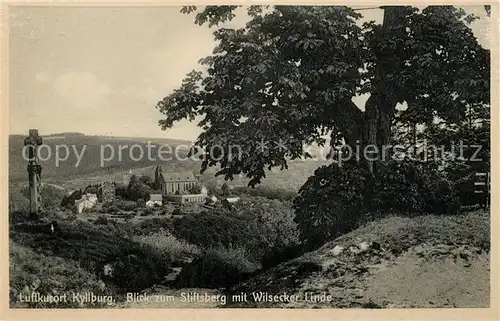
(288, 77)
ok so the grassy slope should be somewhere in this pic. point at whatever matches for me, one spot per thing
(428, 261)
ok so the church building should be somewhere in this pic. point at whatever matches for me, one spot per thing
(175, 182)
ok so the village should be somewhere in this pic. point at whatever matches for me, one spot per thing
(162, 193)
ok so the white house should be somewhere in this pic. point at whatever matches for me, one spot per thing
(232, 200)
(212, 199)
(87, 201)
(155, 199)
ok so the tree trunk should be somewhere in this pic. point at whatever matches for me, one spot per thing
(380, 107)
(371, 130)
(379, 113)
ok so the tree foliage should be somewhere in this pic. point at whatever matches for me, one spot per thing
(138, 188)
(290, 74)
(288, 78)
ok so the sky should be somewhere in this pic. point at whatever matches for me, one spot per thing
(101, 70)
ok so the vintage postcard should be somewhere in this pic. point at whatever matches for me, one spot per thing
(257, 156)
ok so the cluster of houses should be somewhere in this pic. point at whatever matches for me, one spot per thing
(106, 193)
(175, 187)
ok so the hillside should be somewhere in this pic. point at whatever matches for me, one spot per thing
(428, 261)
(90, 163)
(90, 171)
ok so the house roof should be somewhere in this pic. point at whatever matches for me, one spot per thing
(155, 197)
(178, 177)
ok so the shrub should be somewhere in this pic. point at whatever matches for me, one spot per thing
(166, 243)
(30, 271)
(135, 265)
(69, 201)
(261, 226)
(274, 257)
(154, 225)
(440, 195)
(410, 187)
(331, 202)
(336, 200)
(137, 271)
(127, 205)
(397, 188)
(101, 220)
(216, 268)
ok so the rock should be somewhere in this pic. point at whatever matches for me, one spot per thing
(353, 249)
(419, 251)
(440, 250)
(463, 255)
(337, 250)
(363, 246)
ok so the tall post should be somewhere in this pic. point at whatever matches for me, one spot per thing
(34, 171)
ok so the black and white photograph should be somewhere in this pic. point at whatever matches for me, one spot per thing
(249, 156)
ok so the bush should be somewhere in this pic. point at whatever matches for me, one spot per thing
(154, 225)
(69, 201)
(216, 268)
(166, 243)
(127, 205)
(30, 272)
(261, 226)
(277, 256)
(409, 187)
(114, 209)
(397, 188)
(336, 200)
(101, 220)
(440, 195)
(135, 265)
(331, 202)
(137, 271)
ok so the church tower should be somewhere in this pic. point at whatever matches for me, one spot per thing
(159, 180)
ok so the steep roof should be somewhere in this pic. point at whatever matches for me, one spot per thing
(178, 177)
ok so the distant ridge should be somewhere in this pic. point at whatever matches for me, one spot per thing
(128, 138)
(66, 134)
